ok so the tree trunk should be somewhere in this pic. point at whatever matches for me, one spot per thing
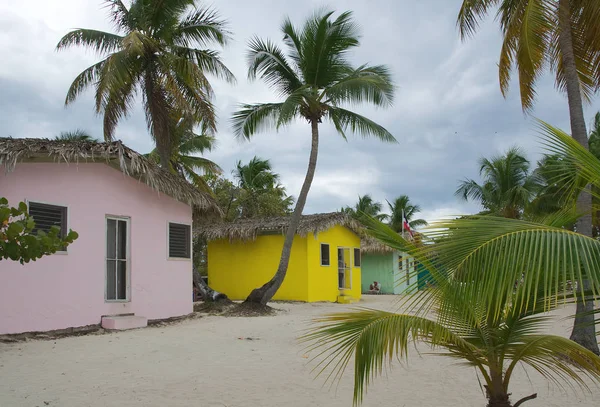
(207, 293)
(583, 332)
(158, 118)
(265, 293)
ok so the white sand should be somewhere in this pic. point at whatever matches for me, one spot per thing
(203, 363)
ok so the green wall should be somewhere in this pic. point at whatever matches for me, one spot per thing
(378, 267)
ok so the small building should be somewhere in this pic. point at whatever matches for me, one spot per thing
(133, 255)
(325, 263)
(395, 271)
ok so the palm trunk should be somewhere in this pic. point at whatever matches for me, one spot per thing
(584, 332)
(158, 118)
(265, 293)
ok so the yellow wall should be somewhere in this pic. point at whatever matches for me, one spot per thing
(237, 268)
(323, 280)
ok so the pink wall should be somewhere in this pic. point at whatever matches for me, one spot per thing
(67, 290)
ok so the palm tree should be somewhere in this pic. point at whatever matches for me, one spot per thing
(153, 53)
(75, 135)
(186, 143)
(508, 186)
(594, 139)
(366, 206)
(315, 79)
(462, 319)
(563, 35)
(261, 194)
(402, 205)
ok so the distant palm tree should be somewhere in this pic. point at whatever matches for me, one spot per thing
(401, 205)
(366, 205)
(594, 139)
(256, 175)
(315, 79)
(508, 186)
(183, 160)
(153, 54)
(75, 135)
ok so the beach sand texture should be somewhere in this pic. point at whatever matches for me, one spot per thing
(203, 362)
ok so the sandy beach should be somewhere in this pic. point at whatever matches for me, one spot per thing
(209, 362)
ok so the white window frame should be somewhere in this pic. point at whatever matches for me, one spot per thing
(349, 268)
(321, 254)
(29, 201)
(127, 219)
(191, 242)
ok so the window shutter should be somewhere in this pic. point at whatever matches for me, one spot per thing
(179, 241)
(45, 216)
(325, 261)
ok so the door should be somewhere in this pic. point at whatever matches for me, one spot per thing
(117, 259)
(344, 268)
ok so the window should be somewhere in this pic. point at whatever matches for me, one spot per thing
(356, 257)
(117, 259)
(325, 258)
(46, 216)
(179, 241)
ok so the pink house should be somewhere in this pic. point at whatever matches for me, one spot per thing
(132, 261)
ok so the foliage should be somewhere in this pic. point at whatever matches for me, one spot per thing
(472, 312)
(401, 205)
(20, 241)
(531, 42)
(365, 205)
(508, 185)
(158, 51)
(75, 135)
(187, 143)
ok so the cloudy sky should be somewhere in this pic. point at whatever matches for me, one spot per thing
(448, 110)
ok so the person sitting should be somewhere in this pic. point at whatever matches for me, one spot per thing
(374, 288)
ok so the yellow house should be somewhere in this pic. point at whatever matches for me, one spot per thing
(324, 263)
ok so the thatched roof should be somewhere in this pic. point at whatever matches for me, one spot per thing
(116, 155)
(370, 245)
(249, 229)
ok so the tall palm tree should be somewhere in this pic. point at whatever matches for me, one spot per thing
(563, 35)
(366, 206)
(315, 79)
(75, 135)
(187, 143)
(508, 186)
(159, 52)
(402, 205)
(468, 328)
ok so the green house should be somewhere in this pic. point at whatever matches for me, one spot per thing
(395, 271)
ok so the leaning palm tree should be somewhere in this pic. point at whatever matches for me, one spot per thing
(158, 52)
(563, 35)
(315, 79)
(466, 328)
(186, 144)
(75, 135)
(366, 206)
(402, 205)
(508, 185)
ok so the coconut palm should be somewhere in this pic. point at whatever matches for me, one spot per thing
(594, 139)
(315, 79)
(508, 186)
(367, 206)
(563, 35)
(467, 328)
(187, 143)
(256, 175)
(158, 52)
(75, 135)
(402, 205)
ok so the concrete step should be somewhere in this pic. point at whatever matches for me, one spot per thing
(122, 322)
(346, 299)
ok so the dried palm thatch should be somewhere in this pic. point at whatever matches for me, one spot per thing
(249, 229)
(370, 245)
(116, 155)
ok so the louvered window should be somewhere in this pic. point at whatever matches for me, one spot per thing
(45, 216)
(179, 241)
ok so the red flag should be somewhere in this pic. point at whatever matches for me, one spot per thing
(406, 226)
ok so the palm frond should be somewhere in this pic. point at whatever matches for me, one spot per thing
(358, 124)
(371, 84)
(202, 26)
(99, 41)
(267, 61)
(470, 13)
(249, 119)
